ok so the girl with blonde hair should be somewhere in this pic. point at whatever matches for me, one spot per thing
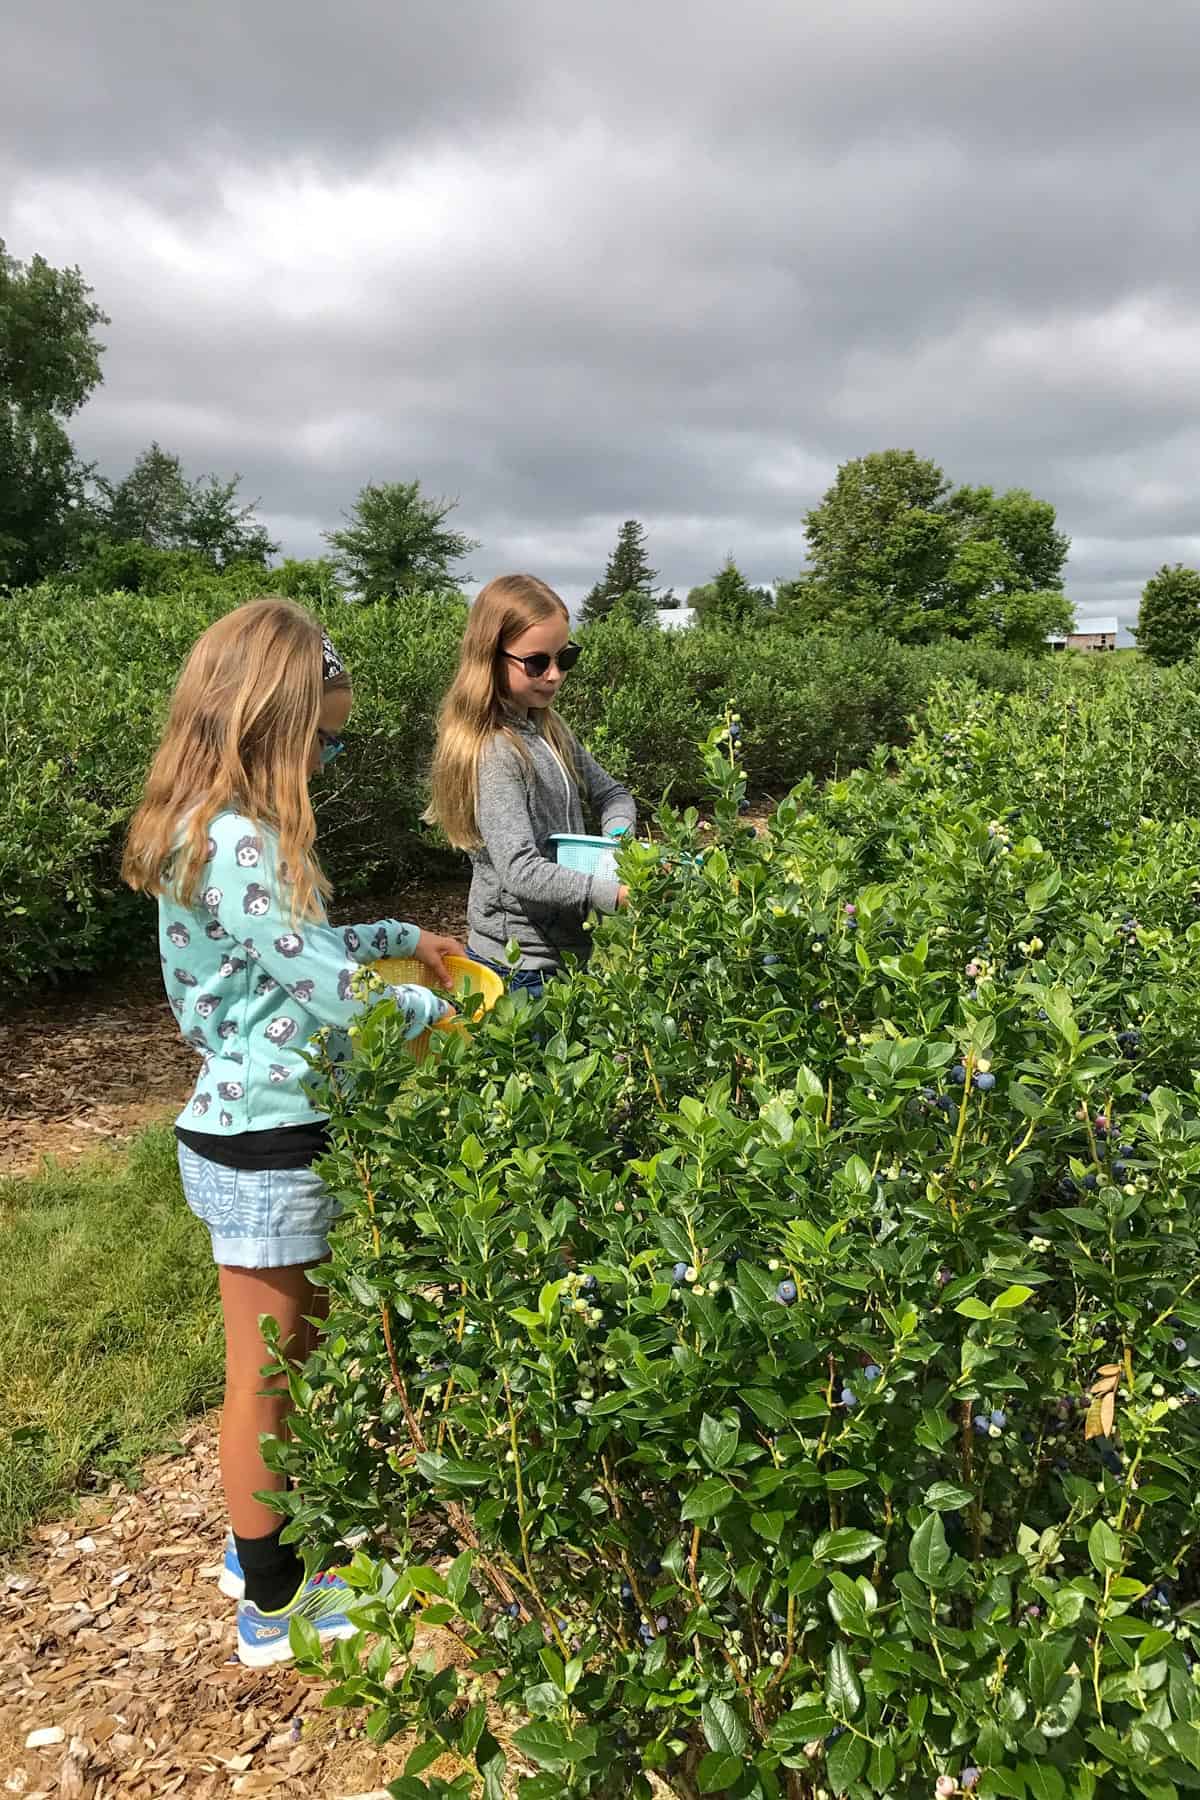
(508, 775)
(225, 839)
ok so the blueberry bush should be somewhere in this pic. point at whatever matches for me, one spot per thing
(88, 676)
(774, 1355)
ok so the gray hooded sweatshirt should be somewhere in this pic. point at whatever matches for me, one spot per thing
(517, 889)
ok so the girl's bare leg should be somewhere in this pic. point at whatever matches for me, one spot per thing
(257, 1406)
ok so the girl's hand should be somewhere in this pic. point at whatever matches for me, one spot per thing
(431, 949)
(622, 895)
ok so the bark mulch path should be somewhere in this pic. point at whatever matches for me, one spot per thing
(93, 1064)
(116, 1678)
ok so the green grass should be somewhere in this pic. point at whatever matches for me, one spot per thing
(112, 1331)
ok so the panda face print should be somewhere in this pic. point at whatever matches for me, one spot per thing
(248, 852)
(210, 849)
(211, 898)
(230, 965)
(206, 1006)
(303, 992)
(179, 935)
(227, 1030)
(175, 1004)
(278, 1072)
(185, 979)
(256, 901)
(196, 1036)
(289, 944)
(351, 939)
(226, 1120)
(345, 977)
(230, 1090)
(234, 1056)
(215, 931)
(248, 947)
(281, 1030)
(380, 941)
(200, 1105)
(266, 984)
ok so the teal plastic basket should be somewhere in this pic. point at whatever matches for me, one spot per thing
(590, 855)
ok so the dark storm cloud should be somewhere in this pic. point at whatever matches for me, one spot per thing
(674, 260)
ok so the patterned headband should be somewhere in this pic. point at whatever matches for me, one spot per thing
(331, 663)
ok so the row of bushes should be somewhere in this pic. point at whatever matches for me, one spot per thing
(87, 680)
(790, 1326)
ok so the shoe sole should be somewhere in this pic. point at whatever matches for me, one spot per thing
(279, 1650)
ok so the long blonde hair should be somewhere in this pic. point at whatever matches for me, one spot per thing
(241, 725)
(476, 707)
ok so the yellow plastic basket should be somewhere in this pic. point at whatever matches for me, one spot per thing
(476, 990)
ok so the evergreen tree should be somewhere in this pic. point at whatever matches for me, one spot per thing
(1168, 627)
(729, 599)
(637, 606)
(395, 541)
(628, 572)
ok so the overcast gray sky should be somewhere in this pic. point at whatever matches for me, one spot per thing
(673, 260)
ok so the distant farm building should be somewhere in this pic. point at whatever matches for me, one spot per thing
(1098, 632)
(676, 618)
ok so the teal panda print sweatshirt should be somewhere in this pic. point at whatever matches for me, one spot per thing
(250, 987)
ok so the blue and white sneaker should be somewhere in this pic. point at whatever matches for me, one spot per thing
(262, 1637)
(232, 1582)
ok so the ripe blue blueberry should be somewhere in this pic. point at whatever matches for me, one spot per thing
(981, 1424)
(588, 1285)
(679, 1274)
(872, 1372)
(626, 1591)
(1091, 1183)
(969, 1778)
(770, 961)
(514, 1610)
(985, 1081)
(849, 1397)
(959, 1073)
(653, 1567)
(999, 1419)
(1179, 1344)
(785, 1293)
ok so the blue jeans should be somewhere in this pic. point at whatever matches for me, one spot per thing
(521, 981)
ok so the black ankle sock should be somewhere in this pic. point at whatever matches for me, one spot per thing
(273, 1571)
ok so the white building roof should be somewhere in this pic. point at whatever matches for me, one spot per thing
(1097, 625)
(676, 618)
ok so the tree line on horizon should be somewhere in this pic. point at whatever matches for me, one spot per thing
(893, 545)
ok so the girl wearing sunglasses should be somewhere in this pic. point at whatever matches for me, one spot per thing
(508, 775)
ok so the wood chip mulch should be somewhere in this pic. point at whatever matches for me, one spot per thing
(116, 1678)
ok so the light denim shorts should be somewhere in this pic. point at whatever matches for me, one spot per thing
(259, 1218)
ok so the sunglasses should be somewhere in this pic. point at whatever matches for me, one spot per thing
(331, 746)
(538, 664)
